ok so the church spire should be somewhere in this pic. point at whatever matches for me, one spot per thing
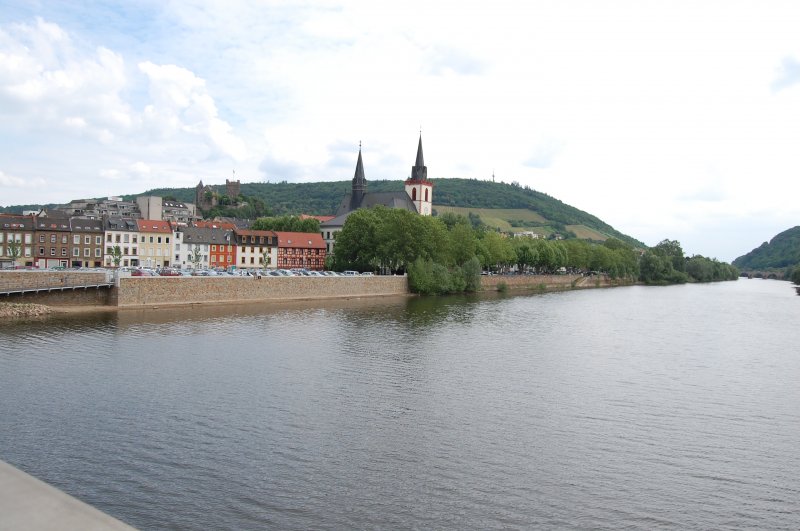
(419, 172)
(359, 181)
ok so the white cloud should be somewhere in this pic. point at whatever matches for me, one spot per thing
(12, 181)
(660, 118)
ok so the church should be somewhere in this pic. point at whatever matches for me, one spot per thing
(417, 197)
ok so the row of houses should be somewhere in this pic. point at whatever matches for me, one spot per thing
(53, 239)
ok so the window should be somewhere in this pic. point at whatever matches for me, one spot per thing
(177, 247)
(98, 240)
(87, 252)
(214, 248)
(1, 238)
(41, 251)
(166, 240)
(63, 238)
(135, 237)
(126, 237)
(426, 194)
(63, 251)
(28, 238)
(108, 237)
(117, 238)
(52, 238)
(133, 251)
(151, 239)
(413, 194)
(159, 239)
(52, 251)
(243, 260)
(76, 239)
(41, 238)
(76, 252)
(97, 252)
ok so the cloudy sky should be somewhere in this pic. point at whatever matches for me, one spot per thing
(676, 119)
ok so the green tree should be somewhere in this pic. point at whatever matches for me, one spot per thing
(796, 275)
(14, 249)
(196, 257)
(116, 255)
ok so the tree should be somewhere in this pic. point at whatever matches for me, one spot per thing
(286, 224)
(796, 275)
(267, 259)
(14, 249)
(672, 250)
(196, 257)
(116, 255)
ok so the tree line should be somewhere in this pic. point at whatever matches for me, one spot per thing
(446, 254)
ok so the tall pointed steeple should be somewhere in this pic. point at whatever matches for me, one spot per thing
(418, 187)
(419, 172)
(359, 182)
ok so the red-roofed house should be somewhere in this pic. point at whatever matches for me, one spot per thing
(155, 242)
(301, 250)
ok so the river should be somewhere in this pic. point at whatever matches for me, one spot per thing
(642, 407)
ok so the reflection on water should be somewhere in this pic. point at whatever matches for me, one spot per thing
(638, 407)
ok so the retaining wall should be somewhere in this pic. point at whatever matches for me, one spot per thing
(162, 291)
(26, 279)
(549, 282)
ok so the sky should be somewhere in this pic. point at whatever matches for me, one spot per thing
(668, 120)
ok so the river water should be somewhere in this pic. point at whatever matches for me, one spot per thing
(641, 407)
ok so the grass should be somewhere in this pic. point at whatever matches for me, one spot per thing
(585, 233)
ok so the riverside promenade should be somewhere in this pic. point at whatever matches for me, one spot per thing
(30, 504)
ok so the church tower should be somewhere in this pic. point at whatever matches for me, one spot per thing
(418, 187)
(359, 183)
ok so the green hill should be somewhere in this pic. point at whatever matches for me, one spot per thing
(781, 252)
(508, 207)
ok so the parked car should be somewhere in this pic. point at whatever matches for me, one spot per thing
(350, 273)
(169, 272)
(142, 273)
(367, 274)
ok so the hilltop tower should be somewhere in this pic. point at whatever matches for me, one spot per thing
(418, 187)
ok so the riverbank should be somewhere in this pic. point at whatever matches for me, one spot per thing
(156, 293)
(14, 309)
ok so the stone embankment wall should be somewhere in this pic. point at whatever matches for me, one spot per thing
(549, 282)
(42, 280)
(25, 279)
(164, 291)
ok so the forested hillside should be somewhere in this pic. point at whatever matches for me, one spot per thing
(322, 198)
(781, 252)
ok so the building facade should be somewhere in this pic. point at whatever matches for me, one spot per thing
(16, 241)
(87, 242)
(122, 233)
(202, 248)
(53, 239)
(301, 250)
(256, 249)
(155, 243)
